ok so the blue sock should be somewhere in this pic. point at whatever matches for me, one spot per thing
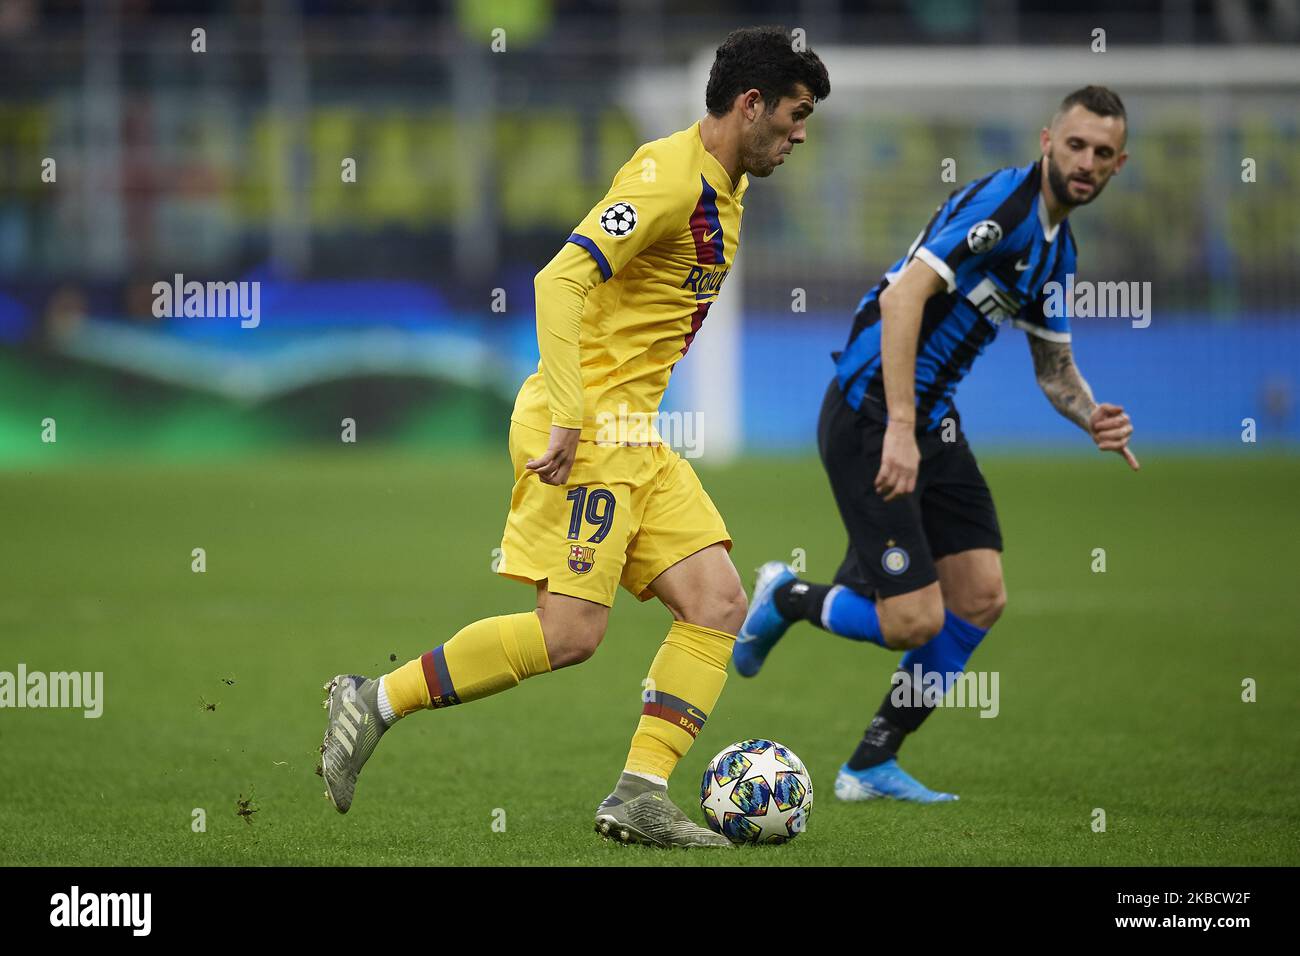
(947, 652)
(850, 614)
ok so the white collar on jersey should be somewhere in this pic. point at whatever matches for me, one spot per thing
(1049, 231)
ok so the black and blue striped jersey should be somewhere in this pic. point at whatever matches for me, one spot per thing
(993, 244)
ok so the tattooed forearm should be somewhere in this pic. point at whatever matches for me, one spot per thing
(1060, 380)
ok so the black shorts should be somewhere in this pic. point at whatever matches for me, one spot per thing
(893, 546)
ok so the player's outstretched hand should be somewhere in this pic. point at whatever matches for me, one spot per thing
(1111, 428)
(554, 466)
(900, 459)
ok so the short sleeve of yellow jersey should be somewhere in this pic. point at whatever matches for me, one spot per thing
(646, 202)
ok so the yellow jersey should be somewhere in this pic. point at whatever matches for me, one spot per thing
(651, 258)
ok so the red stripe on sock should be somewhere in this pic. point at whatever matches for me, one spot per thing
(431, 676)
(674, 717)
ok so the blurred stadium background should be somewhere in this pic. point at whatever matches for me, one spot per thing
(1123, 689)
(380, 299)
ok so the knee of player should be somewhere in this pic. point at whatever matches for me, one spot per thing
(997, 604)
(986, 606)
(725, 611)
(913, 630)
(574, 646)
(737, 608)
(572, 640)
(722, 609)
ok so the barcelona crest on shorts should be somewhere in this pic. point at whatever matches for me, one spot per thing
(581, 559)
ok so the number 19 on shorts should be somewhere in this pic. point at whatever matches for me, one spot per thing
(597, 508)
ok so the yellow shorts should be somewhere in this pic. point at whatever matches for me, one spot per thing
(628, 514)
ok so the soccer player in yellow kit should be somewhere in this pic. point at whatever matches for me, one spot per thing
(598, 499)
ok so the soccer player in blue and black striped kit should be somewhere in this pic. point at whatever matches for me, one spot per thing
(923, 572)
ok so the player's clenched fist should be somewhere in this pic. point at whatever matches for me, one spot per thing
(1110, 428)
(554, 466)
(900, 459)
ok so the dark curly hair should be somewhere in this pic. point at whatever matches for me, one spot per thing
(763, 59)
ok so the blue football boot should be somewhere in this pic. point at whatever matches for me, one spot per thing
(764, 624)
(886, 779)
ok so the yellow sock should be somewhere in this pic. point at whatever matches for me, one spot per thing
(488, 656)
(685, 682)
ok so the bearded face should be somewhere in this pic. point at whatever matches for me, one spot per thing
(1072, 189)
(1083, 151)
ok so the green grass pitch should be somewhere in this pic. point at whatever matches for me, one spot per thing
(1119, 690)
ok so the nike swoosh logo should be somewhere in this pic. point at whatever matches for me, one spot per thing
(708, 236)
(1022, 265)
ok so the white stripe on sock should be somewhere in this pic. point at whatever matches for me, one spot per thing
(386, 712)
(826, 605)
(649, 776)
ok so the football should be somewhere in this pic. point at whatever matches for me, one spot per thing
(757, 791)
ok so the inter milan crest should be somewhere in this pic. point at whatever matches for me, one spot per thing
(895, 560)
(983, 236)
(581, 559)
(619, 219)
